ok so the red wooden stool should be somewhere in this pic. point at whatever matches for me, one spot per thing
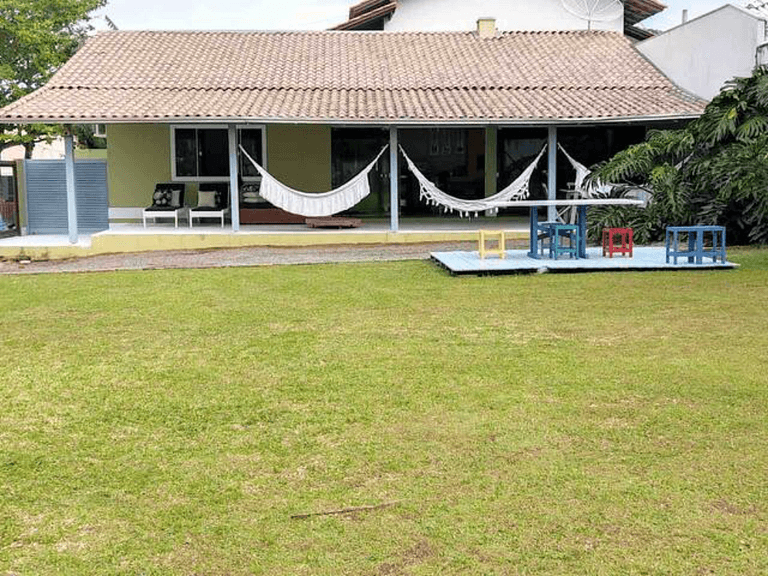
(623, 248)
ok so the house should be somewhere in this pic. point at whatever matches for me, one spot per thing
(700, 55)
(511, 15)
(470, 107)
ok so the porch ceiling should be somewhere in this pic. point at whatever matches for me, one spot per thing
(356, 78)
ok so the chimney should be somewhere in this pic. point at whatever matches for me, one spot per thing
(486, 27)
(685, 16)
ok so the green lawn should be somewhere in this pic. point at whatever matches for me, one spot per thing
(172, 422)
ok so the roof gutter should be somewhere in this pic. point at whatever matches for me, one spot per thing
(410, 122)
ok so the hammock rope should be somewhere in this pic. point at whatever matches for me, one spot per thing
(517, 190)
(314, 204)
(592, 189)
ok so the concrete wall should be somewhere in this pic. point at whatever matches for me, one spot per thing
(703, 53)
(510, 15)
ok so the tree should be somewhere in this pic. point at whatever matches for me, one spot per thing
(713, 171)
(36, 38)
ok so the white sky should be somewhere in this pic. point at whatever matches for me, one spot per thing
(294, 14)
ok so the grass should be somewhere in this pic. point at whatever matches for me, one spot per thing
(172, 422)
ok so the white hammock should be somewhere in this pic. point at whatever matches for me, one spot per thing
(309, 204)
(517, 190)
(593, 189)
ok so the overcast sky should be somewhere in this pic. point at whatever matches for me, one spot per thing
(292, 14)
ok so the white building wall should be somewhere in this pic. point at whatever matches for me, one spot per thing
(439, 15)
(702, 54)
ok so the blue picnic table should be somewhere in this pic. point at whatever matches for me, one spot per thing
(543, 228)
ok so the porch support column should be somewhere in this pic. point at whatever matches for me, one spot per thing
(234, 200)
(491, 161)
(552, 172)
(394, 171)
(69, 176)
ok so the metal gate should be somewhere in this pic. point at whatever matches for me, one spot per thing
(47, 196)
(9, 200)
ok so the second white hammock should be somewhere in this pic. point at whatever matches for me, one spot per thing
(517, 190)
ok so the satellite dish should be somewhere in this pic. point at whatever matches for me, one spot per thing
(595, 10)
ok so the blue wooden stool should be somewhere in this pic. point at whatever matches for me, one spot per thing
(563, 231)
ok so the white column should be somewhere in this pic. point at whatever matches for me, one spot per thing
(394, 172)
(69, 173)
(234, 200)
(552, 172)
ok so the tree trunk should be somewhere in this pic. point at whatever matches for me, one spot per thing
(28, 147)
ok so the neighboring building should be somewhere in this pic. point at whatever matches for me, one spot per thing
(510, 15)
(41, 151)
(702, 54)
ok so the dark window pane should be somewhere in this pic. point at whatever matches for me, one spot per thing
(186, 152)
(213, 152)
(250, 139)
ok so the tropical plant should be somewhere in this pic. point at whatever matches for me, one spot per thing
(713, 171)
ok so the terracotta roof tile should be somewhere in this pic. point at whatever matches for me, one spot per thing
(355, 77)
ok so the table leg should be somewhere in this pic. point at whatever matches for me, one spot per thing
(533, 243)
(693, 241)
(582, 213)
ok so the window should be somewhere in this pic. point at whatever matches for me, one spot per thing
(202, 154)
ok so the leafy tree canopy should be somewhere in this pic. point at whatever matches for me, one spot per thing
(36, 38)
(713, 171)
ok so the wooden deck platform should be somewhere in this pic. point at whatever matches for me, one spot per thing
(517, 261)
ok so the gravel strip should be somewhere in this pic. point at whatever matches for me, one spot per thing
(231, 257)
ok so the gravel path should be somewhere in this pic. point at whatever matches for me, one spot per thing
(251, 256)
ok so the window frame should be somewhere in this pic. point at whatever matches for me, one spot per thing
(238, 127)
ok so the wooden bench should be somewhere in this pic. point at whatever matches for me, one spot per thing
(696, 251)
(333, 222)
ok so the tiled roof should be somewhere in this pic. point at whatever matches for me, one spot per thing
(355, 77)
(359, 18)
(637, 10)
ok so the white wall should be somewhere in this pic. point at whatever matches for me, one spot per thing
(703, 53)
(436, 15)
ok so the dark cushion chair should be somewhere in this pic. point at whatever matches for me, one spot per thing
(167, 202)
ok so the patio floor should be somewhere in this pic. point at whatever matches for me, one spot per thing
(133, 237)
(517, 261)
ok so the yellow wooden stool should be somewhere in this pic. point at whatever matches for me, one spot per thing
(498, 236)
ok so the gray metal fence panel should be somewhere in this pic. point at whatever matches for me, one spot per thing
(47, 196)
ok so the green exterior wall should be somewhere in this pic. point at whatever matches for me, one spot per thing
(300, 156)
(138, 157)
